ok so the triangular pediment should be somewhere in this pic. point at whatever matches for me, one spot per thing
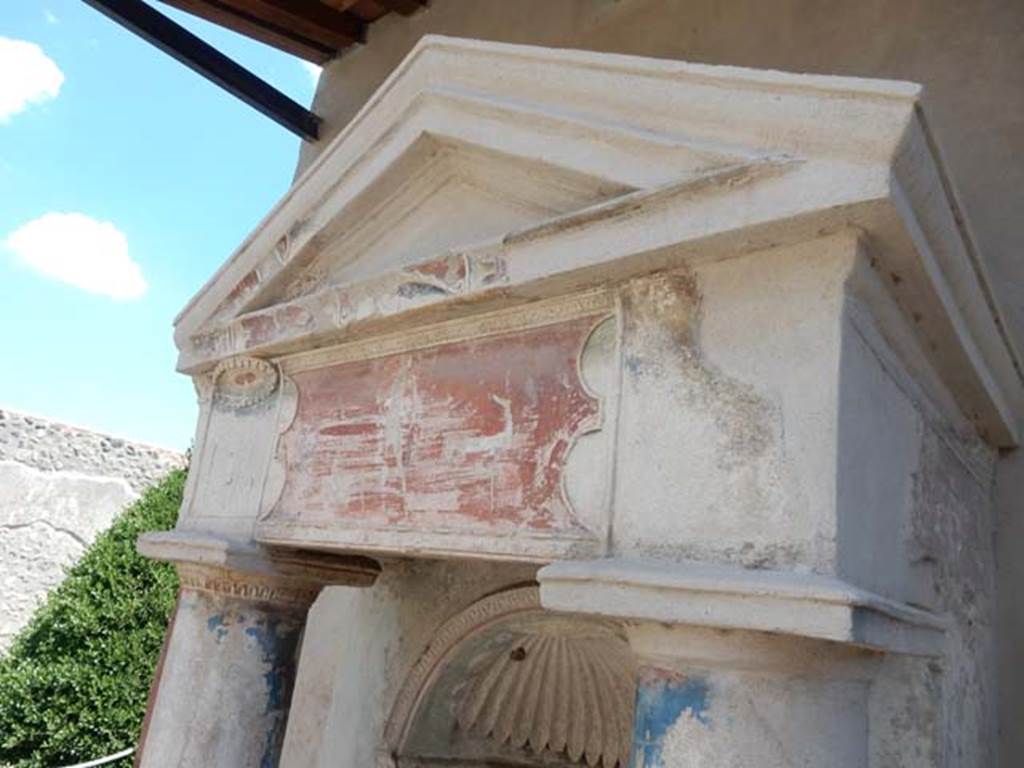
(429, 168)
(440, 197)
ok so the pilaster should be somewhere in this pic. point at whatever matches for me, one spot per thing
(224, 685)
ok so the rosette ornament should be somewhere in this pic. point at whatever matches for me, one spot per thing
(242, 382)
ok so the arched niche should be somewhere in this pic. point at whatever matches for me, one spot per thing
(506, 683)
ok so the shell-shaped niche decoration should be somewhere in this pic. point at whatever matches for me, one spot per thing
(568, 690)
(242, 382)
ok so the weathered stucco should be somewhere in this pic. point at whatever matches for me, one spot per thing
(744, 354)
(259, 646)
(59, 487)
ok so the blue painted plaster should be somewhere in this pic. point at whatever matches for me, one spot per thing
(217, 625)
(273, 642)
(660, 701)
(276, 642)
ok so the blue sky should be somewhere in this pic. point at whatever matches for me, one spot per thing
(164, 174)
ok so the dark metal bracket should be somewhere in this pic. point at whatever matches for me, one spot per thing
(175, 40)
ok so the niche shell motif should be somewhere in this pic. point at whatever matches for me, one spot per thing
(560, 688)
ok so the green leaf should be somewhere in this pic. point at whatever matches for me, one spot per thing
(74, 683)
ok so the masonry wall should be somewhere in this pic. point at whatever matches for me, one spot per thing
(59, 487)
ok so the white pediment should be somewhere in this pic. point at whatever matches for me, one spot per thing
(481, 174)
(430, 167)
(439, 197)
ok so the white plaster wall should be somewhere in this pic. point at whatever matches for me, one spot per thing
(748, 718)
(59, 487)
(733, 698)
(737, 698)
(1010, 606)
(727, 431)
(916, 513)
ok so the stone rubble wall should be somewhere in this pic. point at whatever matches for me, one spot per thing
(51, 446)
(60, 486)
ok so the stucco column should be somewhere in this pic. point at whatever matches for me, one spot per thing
(222, 691)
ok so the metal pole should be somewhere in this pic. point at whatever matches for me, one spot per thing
(103, 760)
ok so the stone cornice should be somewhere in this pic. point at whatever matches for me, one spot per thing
(731, 597)
(250, 572)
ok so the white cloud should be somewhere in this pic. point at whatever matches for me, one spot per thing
(27, 76)
(313, 70)
(79, 250)
(50, 16)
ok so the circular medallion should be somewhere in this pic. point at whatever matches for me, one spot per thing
(244, 381)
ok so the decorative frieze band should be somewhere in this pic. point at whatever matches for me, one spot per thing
(218, 581)
(539, 313)
(246, 571)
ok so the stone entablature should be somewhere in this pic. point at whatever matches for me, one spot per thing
(576, 178)
(701, 351)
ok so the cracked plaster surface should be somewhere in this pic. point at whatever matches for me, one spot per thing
(47, 520)
(60, 486)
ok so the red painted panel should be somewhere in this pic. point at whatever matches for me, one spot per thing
(461, 436)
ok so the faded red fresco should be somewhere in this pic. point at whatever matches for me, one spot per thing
(462, 435)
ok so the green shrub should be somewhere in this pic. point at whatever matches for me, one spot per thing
(74, 683)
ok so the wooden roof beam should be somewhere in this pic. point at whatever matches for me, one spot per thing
(404, 7)
(305, 28)
(308, 18)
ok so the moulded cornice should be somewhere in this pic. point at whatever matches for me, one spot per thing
(731, 597)
(200, 553)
